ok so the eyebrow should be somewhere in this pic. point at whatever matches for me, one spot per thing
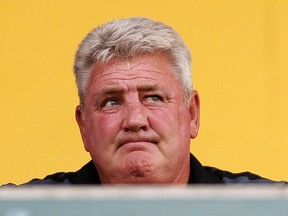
(119, 90)
(148, 87)
(111, 90)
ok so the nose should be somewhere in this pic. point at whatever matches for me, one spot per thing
(135, 118)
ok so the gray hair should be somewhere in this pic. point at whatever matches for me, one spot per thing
(127, 38)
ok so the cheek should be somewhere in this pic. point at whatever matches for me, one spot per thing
(104, 127)
(163, 121)
(171, 123)
(184, 120)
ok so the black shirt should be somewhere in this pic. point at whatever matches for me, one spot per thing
(198, 175)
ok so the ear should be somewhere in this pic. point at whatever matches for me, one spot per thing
(194, 109)
(79, 115)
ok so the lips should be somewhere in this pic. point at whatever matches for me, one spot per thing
(136, 139)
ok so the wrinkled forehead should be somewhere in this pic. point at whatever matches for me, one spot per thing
(142, 65)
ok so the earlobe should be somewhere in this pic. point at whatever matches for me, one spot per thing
(79, 115)
(194, 108)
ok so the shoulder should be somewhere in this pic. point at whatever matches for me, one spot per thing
(241, 178)
(86, 175)
(211, 175)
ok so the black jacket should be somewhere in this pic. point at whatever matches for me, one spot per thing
(198, 175)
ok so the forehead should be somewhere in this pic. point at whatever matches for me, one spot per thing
(146, 68)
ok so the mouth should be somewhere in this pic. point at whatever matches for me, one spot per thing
(137, 143)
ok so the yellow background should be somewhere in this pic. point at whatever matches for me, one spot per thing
(240, 64)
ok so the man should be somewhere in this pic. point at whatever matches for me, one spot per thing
(138, 110)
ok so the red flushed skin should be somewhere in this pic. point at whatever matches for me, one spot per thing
(136, 124)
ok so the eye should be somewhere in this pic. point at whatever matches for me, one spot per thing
(111, 103)
(154, 99)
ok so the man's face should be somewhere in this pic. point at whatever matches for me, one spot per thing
(136, 123)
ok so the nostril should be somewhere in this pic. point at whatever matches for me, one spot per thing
(144, 128)
(135, 128)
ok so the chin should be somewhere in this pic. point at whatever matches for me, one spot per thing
(137, 176)
(140, 180)
(138, 167)
(136, 170)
